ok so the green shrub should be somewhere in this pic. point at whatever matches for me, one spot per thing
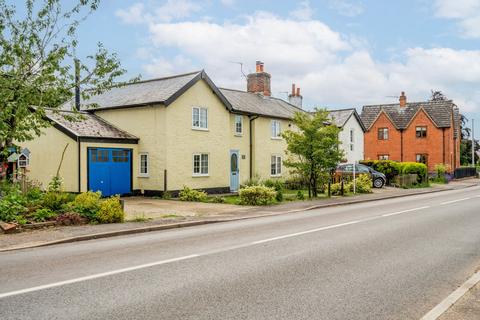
(417, 168)
(363, 184)
(257, 195)
(110, 211)
(55, 201)
(300, 195)
(13, 207)
(336, 189)
(86, 204)
(218, 199)
(388, 167)
(188, 194)
(43, 214)
(166, 195)
(253, 181)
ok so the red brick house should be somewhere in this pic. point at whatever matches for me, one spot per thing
(427, 132)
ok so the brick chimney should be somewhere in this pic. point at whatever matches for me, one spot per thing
(403, 100)
(295, 98)
(259, 82)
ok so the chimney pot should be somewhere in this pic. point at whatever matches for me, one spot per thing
(293, 89)
(298, 92)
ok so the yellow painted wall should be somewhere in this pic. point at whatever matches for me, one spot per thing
(84, 153)
(148, 124)
(46, 152)
(183, 141)
(265, 146)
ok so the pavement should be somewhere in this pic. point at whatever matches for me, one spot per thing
(385, 259)
(467, 308)
(166, 214)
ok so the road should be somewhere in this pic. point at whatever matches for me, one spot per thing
(389, 259)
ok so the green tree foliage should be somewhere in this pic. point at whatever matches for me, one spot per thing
(37, 53)
(313, 148)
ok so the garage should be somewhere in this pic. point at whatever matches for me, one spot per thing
(110, 171)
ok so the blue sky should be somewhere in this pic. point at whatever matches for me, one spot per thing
(341, 53)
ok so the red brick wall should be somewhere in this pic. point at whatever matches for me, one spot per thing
(432, 145)
(374, 147)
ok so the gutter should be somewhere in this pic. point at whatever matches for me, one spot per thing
(251, 119)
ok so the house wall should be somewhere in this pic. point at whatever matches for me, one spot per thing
(46, 153)
(148, 124)
(265, 146)
(374, 147)
(182, 141)
(440, 149)
(358, 140)
(433, 145)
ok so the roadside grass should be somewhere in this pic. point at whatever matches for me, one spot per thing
(140, 218)
(288, 196)
(169, 216)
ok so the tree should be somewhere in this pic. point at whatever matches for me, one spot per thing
(37, 51)
(313, 150)
(437, 95)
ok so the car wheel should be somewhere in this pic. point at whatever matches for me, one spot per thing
(378, 183)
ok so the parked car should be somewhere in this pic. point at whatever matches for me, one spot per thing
(378, 178)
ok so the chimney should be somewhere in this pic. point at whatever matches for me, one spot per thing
(403, 100)
(295, 98)
(259, 82)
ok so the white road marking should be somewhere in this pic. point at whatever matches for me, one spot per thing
(454, 201)
(307, 232)
(443, 306)
(95, 276)
(157, 263)
(404, 211)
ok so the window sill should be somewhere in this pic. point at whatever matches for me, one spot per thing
(238, 134)
(200, 129)
(276, 138)
(143, 176)
(200, 175)
(276, 175)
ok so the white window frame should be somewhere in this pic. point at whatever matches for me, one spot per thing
(276, 129)
(238, 117)
(140, 173)
(278, 165)
(199, 173)
(199, 112)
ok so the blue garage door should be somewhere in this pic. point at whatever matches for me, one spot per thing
(110, 170)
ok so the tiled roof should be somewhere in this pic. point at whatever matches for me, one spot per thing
(87, 125)
(140, 93)
(441, 113)
(340, 117)
(258, 104)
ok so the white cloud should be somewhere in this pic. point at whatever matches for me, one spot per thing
(330, 68)
(346, 8)
(132, 15)
(465, 12)
(177, 9)
(304, 11)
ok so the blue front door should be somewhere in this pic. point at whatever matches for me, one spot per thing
(234, 171)
(110, 170)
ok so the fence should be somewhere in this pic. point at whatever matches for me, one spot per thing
(465, 172)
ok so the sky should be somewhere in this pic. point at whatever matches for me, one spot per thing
(341, 53)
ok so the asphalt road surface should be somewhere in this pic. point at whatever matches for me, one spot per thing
(389, 259)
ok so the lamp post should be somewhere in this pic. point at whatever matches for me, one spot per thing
(473, 142)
